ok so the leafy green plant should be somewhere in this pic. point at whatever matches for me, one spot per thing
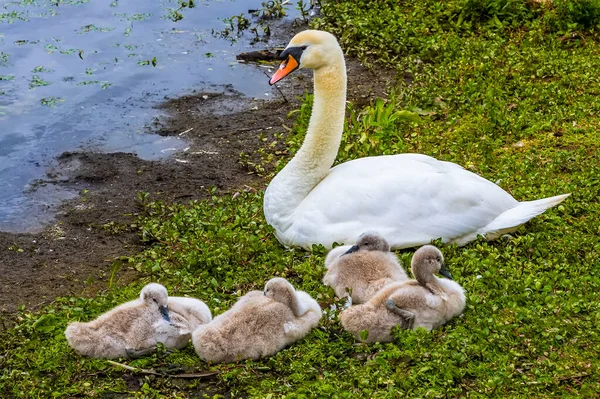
(261, 31)
(303, 7)
(495, 13)
(40, 69)
(51, 101)
(234, 28)
(92, 28)
(175, 14)
(574, 14)
(36, 81)
(152, 62)
(3, 58)
(271, 9)
(103, 84)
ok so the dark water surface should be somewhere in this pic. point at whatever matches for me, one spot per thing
(79, 75)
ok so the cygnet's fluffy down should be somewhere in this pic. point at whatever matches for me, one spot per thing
(363, 269)
(259, 324)
(187, 314)
(134, 328)
(427, 302)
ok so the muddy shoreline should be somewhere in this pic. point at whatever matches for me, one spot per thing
(75, 255)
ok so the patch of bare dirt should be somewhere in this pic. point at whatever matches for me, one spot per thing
(74, 256)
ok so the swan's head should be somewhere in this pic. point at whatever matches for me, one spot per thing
(280, 290)
(155, 297)
(370, 241)
(426, 261)
(308, 49)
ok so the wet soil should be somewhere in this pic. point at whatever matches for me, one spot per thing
(75, 256)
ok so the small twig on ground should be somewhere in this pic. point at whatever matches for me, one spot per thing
(187, 131)
(135, 369)
(285, 100)
(152, 372)
(247, 129)
(195, 375)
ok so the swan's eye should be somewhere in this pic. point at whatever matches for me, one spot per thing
(303, 47)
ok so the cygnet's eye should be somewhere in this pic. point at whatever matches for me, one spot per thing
(155, 301)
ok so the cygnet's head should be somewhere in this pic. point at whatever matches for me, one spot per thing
(155, 296)
(308, 49)
(427, 261)
(369, 241)
(280, 290)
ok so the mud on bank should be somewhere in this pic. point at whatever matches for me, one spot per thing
(77, 254)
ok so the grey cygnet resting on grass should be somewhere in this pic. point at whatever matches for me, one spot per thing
(259, 324)
(362, 269)
(135, 328)
(427, 302)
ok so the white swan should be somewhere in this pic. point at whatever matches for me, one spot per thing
(408, 198)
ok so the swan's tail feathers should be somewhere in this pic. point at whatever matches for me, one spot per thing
(511, 219)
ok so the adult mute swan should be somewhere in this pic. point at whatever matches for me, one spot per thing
(409, 199)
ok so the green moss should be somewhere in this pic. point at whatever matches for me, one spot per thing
(516, 102)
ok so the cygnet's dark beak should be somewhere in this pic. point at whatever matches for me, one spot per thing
(353, 248)
(164, 311)
(444, 272)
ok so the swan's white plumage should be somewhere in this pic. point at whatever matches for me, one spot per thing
(418, 199)
(409, 198)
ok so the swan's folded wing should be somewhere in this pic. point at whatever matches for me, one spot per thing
(411, 197)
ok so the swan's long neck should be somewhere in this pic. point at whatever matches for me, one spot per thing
(428, 280)
(317, 154)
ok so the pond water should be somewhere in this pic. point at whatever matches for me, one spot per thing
(85, 74)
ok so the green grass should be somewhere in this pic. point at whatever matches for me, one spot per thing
(510, 93)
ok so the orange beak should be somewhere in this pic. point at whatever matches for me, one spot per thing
(287, 66)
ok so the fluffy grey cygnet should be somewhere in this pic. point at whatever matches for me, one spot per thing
(363, 269)
(259, 324)
(427, 301)
(135, 328)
